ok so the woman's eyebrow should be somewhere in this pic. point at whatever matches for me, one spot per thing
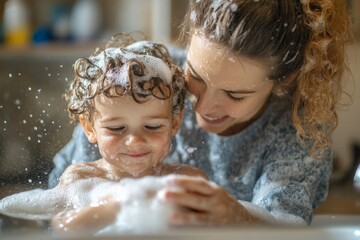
(229, 91)
(192, 70)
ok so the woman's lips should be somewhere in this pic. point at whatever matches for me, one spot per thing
(214, 120)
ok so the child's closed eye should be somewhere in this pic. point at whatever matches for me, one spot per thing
(153, 127)
(116, 129)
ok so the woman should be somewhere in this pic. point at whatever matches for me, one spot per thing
(264, 79)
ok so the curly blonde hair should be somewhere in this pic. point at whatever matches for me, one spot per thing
(128, 65)
(319, 85)
(304, 42)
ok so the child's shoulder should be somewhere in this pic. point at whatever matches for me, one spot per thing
(81, 170)
(184, 169)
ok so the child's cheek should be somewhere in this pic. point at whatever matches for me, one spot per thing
(163, 143)
(108, 146)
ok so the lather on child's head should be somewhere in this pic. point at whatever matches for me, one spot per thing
(128, 99)
(129, 65)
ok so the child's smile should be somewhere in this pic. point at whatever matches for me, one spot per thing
(133, 138)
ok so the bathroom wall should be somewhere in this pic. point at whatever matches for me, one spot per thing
(348, 130)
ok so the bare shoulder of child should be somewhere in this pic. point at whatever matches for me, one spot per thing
(82, 170)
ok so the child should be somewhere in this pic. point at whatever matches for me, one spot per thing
(129, 100)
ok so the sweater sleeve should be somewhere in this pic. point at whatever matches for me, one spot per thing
(292, 183)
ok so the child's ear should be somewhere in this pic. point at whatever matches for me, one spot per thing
(88, 128)
(177, 122)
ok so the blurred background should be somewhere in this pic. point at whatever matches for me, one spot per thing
(39, 42)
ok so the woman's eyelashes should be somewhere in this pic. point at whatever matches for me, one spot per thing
(229, 94)
(193, 76)
(233, 98)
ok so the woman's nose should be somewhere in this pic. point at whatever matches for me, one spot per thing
(206, 102)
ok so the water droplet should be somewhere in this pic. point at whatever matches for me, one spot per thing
(24, 121)
(29, 180)
(61, 66)
(26, 169)
(31, 115)
(17, 102)
(29, 88)
(35, 128)
(191, 149)
(29, 138)
(10, 75)
(5, 121)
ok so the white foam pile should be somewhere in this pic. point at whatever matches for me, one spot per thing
(142, 207)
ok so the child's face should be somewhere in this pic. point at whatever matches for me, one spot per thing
(134, 138)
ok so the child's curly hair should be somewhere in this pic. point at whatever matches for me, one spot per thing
(304, 42)
(128, 65)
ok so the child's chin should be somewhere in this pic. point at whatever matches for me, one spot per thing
(138, 170)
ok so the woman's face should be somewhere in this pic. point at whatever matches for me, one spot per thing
(229, 91)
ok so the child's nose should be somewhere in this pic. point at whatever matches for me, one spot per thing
(134, 139)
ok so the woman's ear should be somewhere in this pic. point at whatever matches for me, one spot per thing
(88, 128)
(283, 87)
(177, 122)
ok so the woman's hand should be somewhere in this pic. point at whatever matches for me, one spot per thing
(89, 219)
(203, 202)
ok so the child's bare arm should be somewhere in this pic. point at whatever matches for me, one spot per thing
(89, 219)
